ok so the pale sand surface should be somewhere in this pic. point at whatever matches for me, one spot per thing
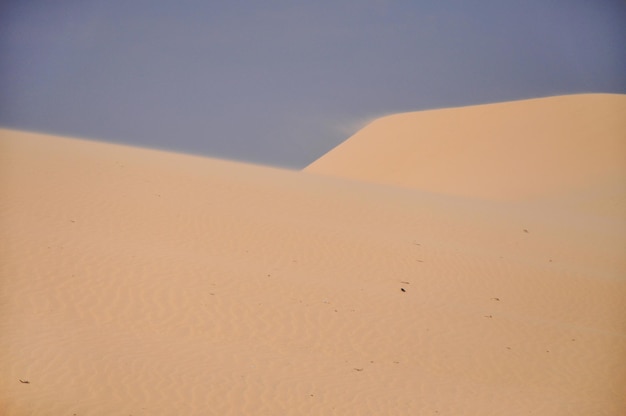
(141, 282)
(518, 150)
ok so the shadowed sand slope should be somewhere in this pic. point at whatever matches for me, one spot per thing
(147, 283)
(507, 151)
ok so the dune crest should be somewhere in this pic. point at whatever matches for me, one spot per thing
(518, 150)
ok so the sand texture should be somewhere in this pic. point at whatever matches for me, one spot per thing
(141, 282)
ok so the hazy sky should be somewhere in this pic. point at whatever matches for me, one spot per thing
(282, 82)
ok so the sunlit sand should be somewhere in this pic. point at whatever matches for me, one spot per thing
(457, 261)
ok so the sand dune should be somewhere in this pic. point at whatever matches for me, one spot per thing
(141, 282)
(518, 150)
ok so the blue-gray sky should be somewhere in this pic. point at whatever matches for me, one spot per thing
(282, 82)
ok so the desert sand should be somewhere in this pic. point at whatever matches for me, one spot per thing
(478, 270)
(518, 150)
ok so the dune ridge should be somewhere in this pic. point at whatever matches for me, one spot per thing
(135, 281)
(517, 150)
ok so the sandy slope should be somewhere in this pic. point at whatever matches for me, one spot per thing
(141, 282)
(515, 151)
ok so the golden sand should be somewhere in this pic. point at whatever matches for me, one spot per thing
(490, 282)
